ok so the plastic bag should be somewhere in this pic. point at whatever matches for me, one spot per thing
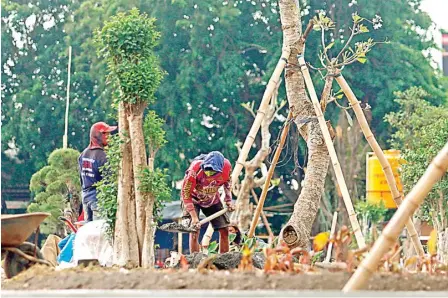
(92, 243)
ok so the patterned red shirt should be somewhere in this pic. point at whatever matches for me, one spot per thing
(202, 190)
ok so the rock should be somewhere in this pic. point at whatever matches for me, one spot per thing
(195, 259)
(229, 260)
(258, 260)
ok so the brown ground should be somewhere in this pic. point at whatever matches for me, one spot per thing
(42, 277)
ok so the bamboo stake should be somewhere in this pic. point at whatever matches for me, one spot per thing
(334, 158)
(332, 232)
(270, 88)
(263, 216)
(381, 157)
(67, 104)
(260, 204)
(391, 232)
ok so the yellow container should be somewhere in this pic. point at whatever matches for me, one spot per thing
(377, 189)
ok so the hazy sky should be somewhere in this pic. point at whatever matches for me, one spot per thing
(438, 10)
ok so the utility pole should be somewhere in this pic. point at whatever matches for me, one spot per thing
(65, 137)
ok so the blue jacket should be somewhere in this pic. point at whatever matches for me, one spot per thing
(90, 162)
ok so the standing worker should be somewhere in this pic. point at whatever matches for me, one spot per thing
(90, 162)
(206, 174)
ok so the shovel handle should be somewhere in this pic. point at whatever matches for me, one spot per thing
(213, 216)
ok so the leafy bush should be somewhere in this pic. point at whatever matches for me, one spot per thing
(155, 184)
(421, 132)
(54, 186)
(107, 188)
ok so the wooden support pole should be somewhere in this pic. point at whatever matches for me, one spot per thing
(381, 158)
(267, 182)
(270, 88)
(67, 104)
(334, 158)
(391, 232)
(263, 216)
(332, 233)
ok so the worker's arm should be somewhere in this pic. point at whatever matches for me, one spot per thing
(187, 188)
(228, 186)
(228, 195)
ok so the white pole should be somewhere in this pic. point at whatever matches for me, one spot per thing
(65, 137)
(332, 232)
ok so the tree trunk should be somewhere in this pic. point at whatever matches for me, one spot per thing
(442, 246)
(297, 230)
(243, 201)
(125, 238)
(149, 228)
(135, 118)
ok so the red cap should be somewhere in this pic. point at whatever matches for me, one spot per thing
(102, 127)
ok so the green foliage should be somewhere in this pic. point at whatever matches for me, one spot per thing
(139, 80)
(372, 212)
(212, 248)
(317, 257)
(107, 188)
(154, 183)
(421, 132)
(127, 42)
(54, 185)
(34, 77)
(153, 132)
(128, 36)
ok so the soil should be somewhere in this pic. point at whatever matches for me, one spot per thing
(174, 227)
(226, 261)
(42, 277)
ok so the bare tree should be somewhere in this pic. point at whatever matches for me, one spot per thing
(256, 165)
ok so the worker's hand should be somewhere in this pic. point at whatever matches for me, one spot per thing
(230, 206)
(195, 224)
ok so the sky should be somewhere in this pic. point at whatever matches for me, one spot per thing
(438, 10)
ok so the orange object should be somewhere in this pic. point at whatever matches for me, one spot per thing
(377, 189)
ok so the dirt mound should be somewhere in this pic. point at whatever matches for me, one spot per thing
(41, 277)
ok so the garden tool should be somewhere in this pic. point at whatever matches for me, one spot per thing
(175, 227)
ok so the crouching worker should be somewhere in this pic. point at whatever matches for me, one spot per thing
(206, 174)
(90, 162)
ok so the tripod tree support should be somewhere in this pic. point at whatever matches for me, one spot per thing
(267, 182)
(334, 158)
(398, 198)
(391, 232)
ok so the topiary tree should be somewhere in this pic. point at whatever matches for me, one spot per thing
(127, 42)
(56, 187)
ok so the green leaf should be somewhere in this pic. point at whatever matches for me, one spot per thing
(363, 29)
(349, 118)
(356, 18)
(275, 182)
(329, 46)
(212, 248)
(362, 59)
